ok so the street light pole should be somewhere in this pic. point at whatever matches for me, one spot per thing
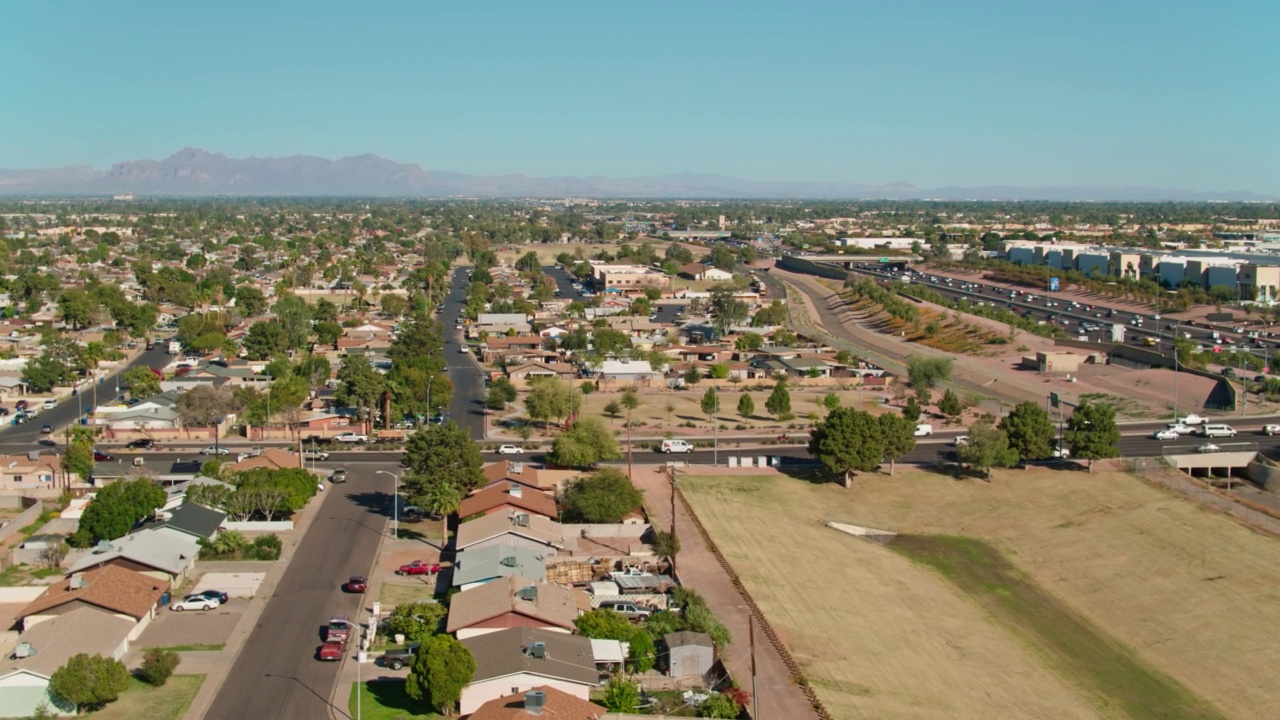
(395, 502)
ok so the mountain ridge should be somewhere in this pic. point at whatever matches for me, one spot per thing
(195, 172)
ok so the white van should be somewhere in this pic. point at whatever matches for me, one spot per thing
(676, 446)
(924, 430)
(1217, 430)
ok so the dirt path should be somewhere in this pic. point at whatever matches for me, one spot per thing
(697, 566)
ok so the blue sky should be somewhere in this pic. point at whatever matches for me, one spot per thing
(1018, 92)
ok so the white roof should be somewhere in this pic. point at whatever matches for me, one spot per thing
(609, 651)
(161, 550)
(626, 367)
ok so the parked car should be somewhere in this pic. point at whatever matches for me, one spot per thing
(629, 609)
(215, 450)
(396, 658)
(338, 476)
(21, 405)
(194, 602)
(1207, 448)
(463, 349)
(355, 584)
(332, 650)
(923, 430)
(143, 444)
(350, 437)
(1271, 429)
(4, 411)
(510, 450)
(418, 567)
(339, 628)
(101, 456)
(1166, 434)
(676, 446)
(218, 595)
(1061, 453)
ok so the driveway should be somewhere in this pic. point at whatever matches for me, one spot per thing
(192, 627)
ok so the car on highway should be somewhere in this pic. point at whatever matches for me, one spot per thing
(1208, 448)
(102, 456)
(143, 444)
(350, 437)
(215, 450)
(1166, 434)
(675, 446)
(355, 584)
(320, 455)
(510, 450)
(194, 602)
(338, 476)
(218, 595)
(1271, 429)
(46, 429)
(1181, 428)
(418, 567)
(1193, 419)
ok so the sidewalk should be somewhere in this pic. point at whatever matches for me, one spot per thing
(215, 665)
(699, 569)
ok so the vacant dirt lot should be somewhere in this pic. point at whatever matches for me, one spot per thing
(1192, 594)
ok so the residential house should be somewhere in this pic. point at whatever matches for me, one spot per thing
(699, 271)
(553, 331)
(638, 372)
(478, 566)
(533, 370)
(512, 498)
(272, 458)
(519, 659)
(110, 591)
(542, 701)
(505, 472)
(33, 474)
(152, 418)
(160, 555)
(177, 486)
(323, 421)
(188, 521)
(687, 654)
(233, 376)
(486, 321)
(519, 529)
(515, 601)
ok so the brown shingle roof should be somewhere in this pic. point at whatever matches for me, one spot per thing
(499, 494)
(515, 471)
(551, 605)
(502, 653)
(109, 587)
(559, 705)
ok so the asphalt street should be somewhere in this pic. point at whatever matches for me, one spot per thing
(466, 407)
(276, 674)
(25, 437)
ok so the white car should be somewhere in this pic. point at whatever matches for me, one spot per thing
(1061, 453)
(1166, 434)
(1271, 429)
(1181, 428)
(194, 602)
(215, 450)
(350, 437)
(1208, 448)
(923, 430)
(50, 404)
(960, 441)
(510, 450)
(462, 349)
(1193, 419)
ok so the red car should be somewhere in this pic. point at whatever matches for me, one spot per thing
(332, 649)
(356, 584)
(338, 629)
(418, 567)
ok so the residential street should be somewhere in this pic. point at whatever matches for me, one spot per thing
(276, 674)
(466, 407)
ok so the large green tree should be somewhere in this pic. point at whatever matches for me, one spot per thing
(1030, 430)
(925, 371)
(604, 496)
(89, 682)
(294, 316)
(440, 455)
(848, 441)
(1092, 433)
(265, 340)
(779, 402)
(141, 381)
(116, 509)
(362, 385)
(988, 447)
(588, 442)
(899, 437)
(441, 668)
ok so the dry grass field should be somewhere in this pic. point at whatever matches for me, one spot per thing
(1091, 595)
(687, 407)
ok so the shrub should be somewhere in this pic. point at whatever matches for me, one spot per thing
(157, 665)
(266, 547)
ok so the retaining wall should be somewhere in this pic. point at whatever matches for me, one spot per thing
(25, 518)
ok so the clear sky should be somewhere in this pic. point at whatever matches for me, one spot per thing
(1166, 93)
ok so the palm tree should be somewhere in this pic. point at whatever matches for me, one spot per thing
(443, 499)
(630, 401)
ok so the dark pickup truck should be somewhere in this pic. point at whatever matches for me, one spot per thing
(397, 658)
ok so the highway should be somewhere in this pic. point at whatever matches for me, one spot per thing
(1070, 319)
(276, 674)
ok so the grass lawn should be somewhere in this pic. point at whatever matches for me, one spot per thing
(392, 595)
(1061, 594)
(1066, 639)
(197, 647)
(385, 700)
(153, 703)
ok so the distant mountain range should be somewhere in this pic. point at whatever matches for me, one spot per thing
(196, 173)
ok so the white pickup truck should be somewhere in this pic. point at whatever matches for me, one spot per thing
(1193, 419)
(320, 455)
(350, 437)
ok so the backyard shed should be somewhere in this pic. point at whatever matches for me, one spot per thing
(688, 654)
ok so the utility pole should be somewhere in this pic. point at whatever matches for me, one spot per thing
(715, 427)
(672, 472)
(751, 630)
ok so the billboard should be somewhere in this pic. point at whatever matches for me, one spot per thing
(1053, 284)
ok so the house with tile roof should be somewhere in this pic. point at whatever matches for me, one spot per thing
(110, 590)
(505, 472)
(542, 701)
(515, 601)
(509, 498)
(272, 458)
(518, 659)
(38, 475)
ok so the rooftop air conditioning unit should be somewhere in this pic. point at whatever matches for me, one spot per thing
(529, 593)
(538, 649)
(522, 520)
(509, 562)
